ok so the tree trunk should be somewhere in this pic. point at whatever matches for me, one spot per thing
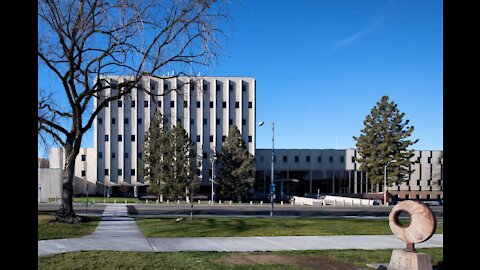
(66, 213)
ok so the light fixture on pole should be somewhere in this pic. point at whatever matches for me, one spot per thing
(272, 184)
(213, 157)
(385, 182)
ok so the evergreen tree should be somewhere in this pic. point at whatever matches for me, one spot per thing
(385, 138)
(157, 155)
(183, 165)
(237, 168)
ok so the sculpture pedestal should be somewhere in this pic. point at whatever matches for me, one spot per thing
(405, 260)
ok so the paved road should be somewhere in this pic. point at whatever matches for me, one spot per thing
(264, 210)
(118, 231)
(95, 210)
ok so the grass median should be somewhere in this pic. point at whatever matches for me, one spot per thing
(48, 228)
(310, 259)
(226, 226)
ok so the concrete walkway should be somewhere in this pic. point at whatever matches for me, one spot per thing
(119, 232)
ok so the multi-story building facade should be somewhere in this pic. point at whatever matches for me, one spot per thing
(205, 106)
(306, 171)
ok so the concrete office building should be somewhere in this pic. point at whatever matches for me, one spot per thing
(309, 171)
(205, 106)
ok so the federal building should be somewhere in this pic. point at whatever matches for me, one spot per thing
(206, 107)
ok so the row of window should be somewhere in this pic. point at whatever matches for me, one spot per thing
(307, 159)
(192, 86)
(119, 172)
(125, 155)
(132, 138)
(185, 104)
(192, 121)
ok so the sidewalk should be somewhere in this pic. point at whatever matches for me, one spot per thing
(119, 232)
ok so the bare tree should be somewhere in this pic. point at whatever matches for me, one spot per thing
(84, 42)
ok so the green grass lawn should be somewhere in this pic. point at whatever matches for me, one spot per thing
(225, 226)
(314, 259)
(53, 230)
(107, 200)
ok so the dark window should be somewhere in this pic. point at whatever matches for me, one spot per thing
(223, 138)
(417, 196)
(211, 104)
(211, 138)
(159, 103)
(296, 158)
(83, 173)
(119, 138)
(126, 121)
(438, 196)
(249, 138)
(307, 158)
(185, 104)
(244, 87)
(139, 155)
(119, 103)
(198, 104)
(244, 121)
(205, 87)
(224, 104)
(230, 122)
(230, 87)
(418, 182)
(125, 155)
(237, 104)
(114, 121)
(250, 104)
(330, 159)
(106, 138)
(107, 104)
(84, 157)
(100, 155)
(218, 121)
(139, 121)
(132, 138)
(119, 171)
(133, 103)
(100, 120)
(145, 103)
(152, 86)
(353, 159)
(172, 104)
(132, 172)
(192, 86)
(179, 121)
(319, 159)
(198, 138)
(428, 196)
(342, 159)
(204, 155)
(407, 196)
(165, 87)
(218, 87)
(429, 160)
(285, 158)
(192, 121)
(418, 159)
(429, 182)
(204, 121)
(113, 155)
(106, 171)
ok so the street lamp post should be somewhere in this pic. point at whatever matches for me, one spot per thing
(213, 174)
(272, 183)
(385, 182)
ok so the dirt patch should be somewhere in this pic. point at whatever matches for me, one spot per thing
(307, 262)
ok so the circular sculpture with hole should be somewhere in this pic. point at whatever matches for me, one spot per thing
(422, 224)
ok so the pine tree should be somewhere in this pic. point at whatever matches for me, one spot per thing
(183, 163)
(237, 168)
(157, 155)
(385, 138)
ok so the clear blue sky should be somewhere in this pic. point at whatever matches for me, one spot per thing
(321, 66)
